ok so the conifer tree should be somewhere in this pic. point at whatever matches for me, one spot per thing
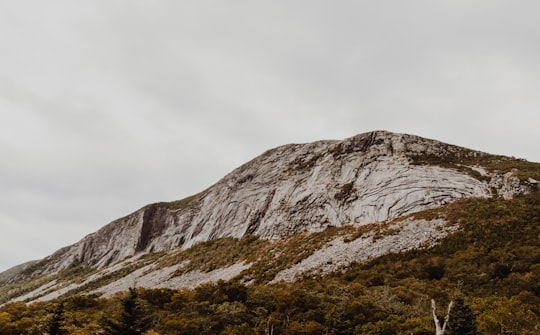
(55, 324)
(132, 321)
(461, 319)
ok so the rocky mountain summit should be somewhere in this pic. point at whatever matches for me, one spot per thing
(367, 179)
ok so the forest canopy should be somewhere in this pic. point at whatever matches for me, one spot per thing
(494, 258)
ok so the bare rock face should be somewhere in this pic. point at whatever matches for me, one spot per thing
(338, 254)
(508, 185)
(290, 189)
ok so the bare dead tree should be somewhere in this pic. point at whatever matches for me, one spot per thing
(438, 329)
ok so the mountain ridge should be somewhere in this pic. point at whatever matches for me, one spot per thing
(301, 188)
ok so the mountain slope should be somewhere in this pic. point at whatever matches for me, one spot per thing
(493, 257)
(362, 180)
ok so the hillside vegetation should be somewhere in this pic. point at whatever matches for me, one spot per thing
(459, 158)
(494, 257)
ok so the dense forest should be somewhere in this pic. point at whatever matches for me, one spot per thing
(494, 260)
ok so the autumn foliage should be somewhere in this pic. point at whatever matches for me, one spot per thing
(494, 258)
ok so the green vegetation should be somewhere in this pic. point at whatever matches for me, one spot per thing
(461, 319)
(55, 324)
(134, 318)
(462, 159)
(180, 204)
(214, 254)
(494, 257)
(284, 253)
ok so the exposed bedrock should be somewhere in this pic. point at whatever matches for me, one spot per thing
(289, 189)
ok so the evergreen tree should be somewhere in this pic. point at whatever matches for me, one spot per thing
(55, 324)
(132, 321)
(461, 319)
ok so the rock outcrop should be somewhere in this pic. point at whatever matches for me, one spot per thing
(294, 188)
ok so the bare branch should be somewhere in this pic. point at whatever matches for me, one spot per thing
(447, 317)
(438, 330)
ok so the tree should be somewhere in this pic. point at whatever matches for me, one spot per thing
(461, 319)
(133, 319)
(56, 322)
(440, 330)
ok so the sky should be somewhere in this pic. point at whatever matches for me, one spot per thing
(106, 106)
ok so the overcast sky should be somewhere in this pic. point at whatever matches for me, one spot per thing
(106, 106)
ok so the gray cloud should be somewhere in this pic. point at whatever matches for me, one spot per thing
(107, 106)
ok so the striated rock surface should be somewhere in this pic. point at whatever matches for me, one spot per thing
(364, 179)
(398, 237)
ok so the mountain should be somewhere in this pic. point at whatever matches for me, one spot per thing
(295, 211)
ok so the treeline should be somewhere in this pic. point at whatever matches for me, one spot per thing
(495, 257)
(312, 307)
